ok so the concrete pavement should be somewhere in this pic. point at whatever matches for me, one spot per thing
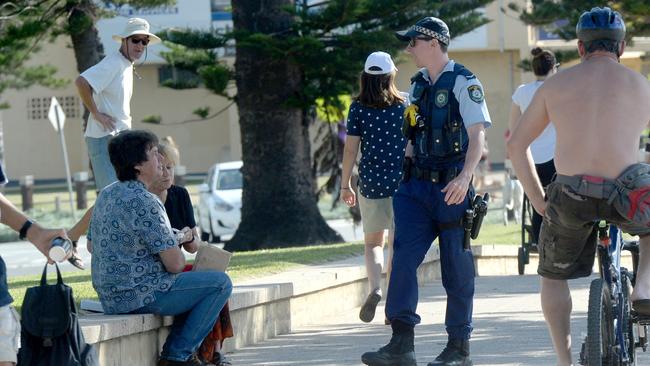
(508, 322)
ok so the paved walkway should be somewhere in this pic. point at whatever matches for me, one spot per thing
(509, 330)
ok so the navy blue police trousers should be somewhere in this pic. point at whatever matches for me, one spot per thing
(419, 208)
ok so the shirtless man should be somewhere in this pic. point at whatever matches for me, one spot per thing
(599, 108)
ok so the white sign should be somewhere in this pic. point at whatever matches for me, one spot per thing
(56, 115)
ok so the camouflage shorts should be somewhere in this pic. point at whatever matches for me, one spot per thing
(567, 241)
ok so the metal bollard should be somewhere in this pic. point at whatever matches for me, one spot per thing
(179, 175)
(81, 189)
(27, 191)
(57, 204)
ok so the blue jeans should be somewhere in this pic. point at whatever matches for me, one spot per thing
(419, 207)
(103, 170)
(196, 298)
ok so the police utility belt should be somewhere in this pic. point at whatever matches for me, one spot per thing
(472, 219)
(435, 176)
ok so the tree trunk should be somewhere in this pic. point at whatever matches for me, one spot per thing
(88, 49)
(279, 206)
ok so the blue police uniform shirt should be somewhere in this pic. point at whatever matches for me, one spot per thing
(382, 147)
(129, 229)
(5, 298)
(473, 109)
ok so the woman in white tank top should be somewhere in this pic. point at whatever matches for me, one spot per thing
(544, 64)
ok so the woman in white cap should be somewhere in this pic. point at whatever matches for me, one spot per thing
(105, 89)
(374, 123)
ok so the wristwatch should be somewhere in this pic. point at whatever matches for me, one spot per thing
(22, 234)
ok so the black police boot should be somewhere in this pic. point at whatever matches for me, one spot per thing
(456, 353)
(400, 351)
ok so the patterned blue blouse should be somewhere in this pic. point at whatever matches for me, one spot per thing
(129, 227)
(382, 148)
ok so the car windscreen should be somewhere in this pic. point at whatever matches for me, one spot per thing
(229, 179)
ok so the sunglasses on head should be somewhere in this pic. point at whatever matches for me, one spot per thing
(413, 40)
(144, 41)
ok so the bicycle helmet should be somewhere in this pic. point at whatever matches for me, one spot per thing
(600, 24)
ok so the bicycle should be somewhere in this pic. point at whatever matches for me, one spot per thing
(614, 332)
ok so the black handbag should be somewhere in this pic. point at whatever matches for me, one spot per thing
(51, 335)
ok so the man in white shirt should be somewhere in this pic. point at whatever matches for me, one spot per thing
(106, 91)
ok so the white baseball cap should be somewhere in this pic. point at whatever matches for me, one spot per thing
(379, 63)
(136, 26)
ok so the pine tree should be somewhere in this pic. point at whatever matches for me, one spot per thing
(23, 24)
(561, 17)
(291, 54)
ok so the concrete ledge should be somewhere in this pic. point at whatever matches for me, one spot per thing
(260, 309)
(266, 307)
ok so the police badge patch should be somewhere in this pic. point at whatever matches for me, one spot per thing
(441, 98)
(475, 93)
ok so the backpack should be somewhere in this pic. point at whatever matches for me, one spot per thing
(51, 335)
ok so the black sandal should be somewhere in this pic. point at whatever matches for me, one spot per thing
(220, 360)
(74, 260)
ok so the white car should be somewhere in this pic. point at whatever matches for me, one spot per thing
(220, 201)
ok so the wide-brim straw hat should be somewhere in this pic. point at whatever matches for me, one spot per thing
(136, 26)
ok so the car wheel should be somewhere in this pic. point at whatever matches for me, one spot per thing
(205, 236)
(213, 238)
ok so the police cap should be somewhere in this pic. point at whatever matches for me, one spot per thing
(429, 26)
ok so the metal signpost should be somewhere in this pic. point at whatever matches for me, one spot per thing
(57, 118)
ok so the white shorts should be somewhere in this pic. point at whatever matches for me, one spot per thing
(9, 334)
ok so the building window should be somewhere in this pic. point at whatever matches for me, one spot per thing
(550, 32)
(220, 28)
(39, 107)
(221, 5)
(173, 77)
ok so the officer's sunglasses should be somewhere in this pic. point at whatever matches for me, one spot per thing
(413, 40)
(144, 41)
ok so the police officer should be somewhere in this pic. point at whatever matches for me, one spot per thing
(446, 130)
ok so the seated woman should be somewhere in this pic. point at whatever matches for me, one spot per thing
(181, 215)
(137, 264)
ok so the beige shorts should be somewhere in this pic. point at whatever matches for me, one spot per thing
(376, 214)
(9, 334)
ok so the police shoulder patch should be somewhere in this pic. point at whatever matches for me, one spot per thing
(441, 98)
(475, 93)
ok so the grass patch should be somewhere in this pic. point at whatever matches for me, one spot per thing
(243, 265)
(43, 217)
(499, 234)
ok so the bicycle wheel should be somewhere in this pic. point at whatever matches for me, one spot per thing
(600, 329)
(629, 330)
